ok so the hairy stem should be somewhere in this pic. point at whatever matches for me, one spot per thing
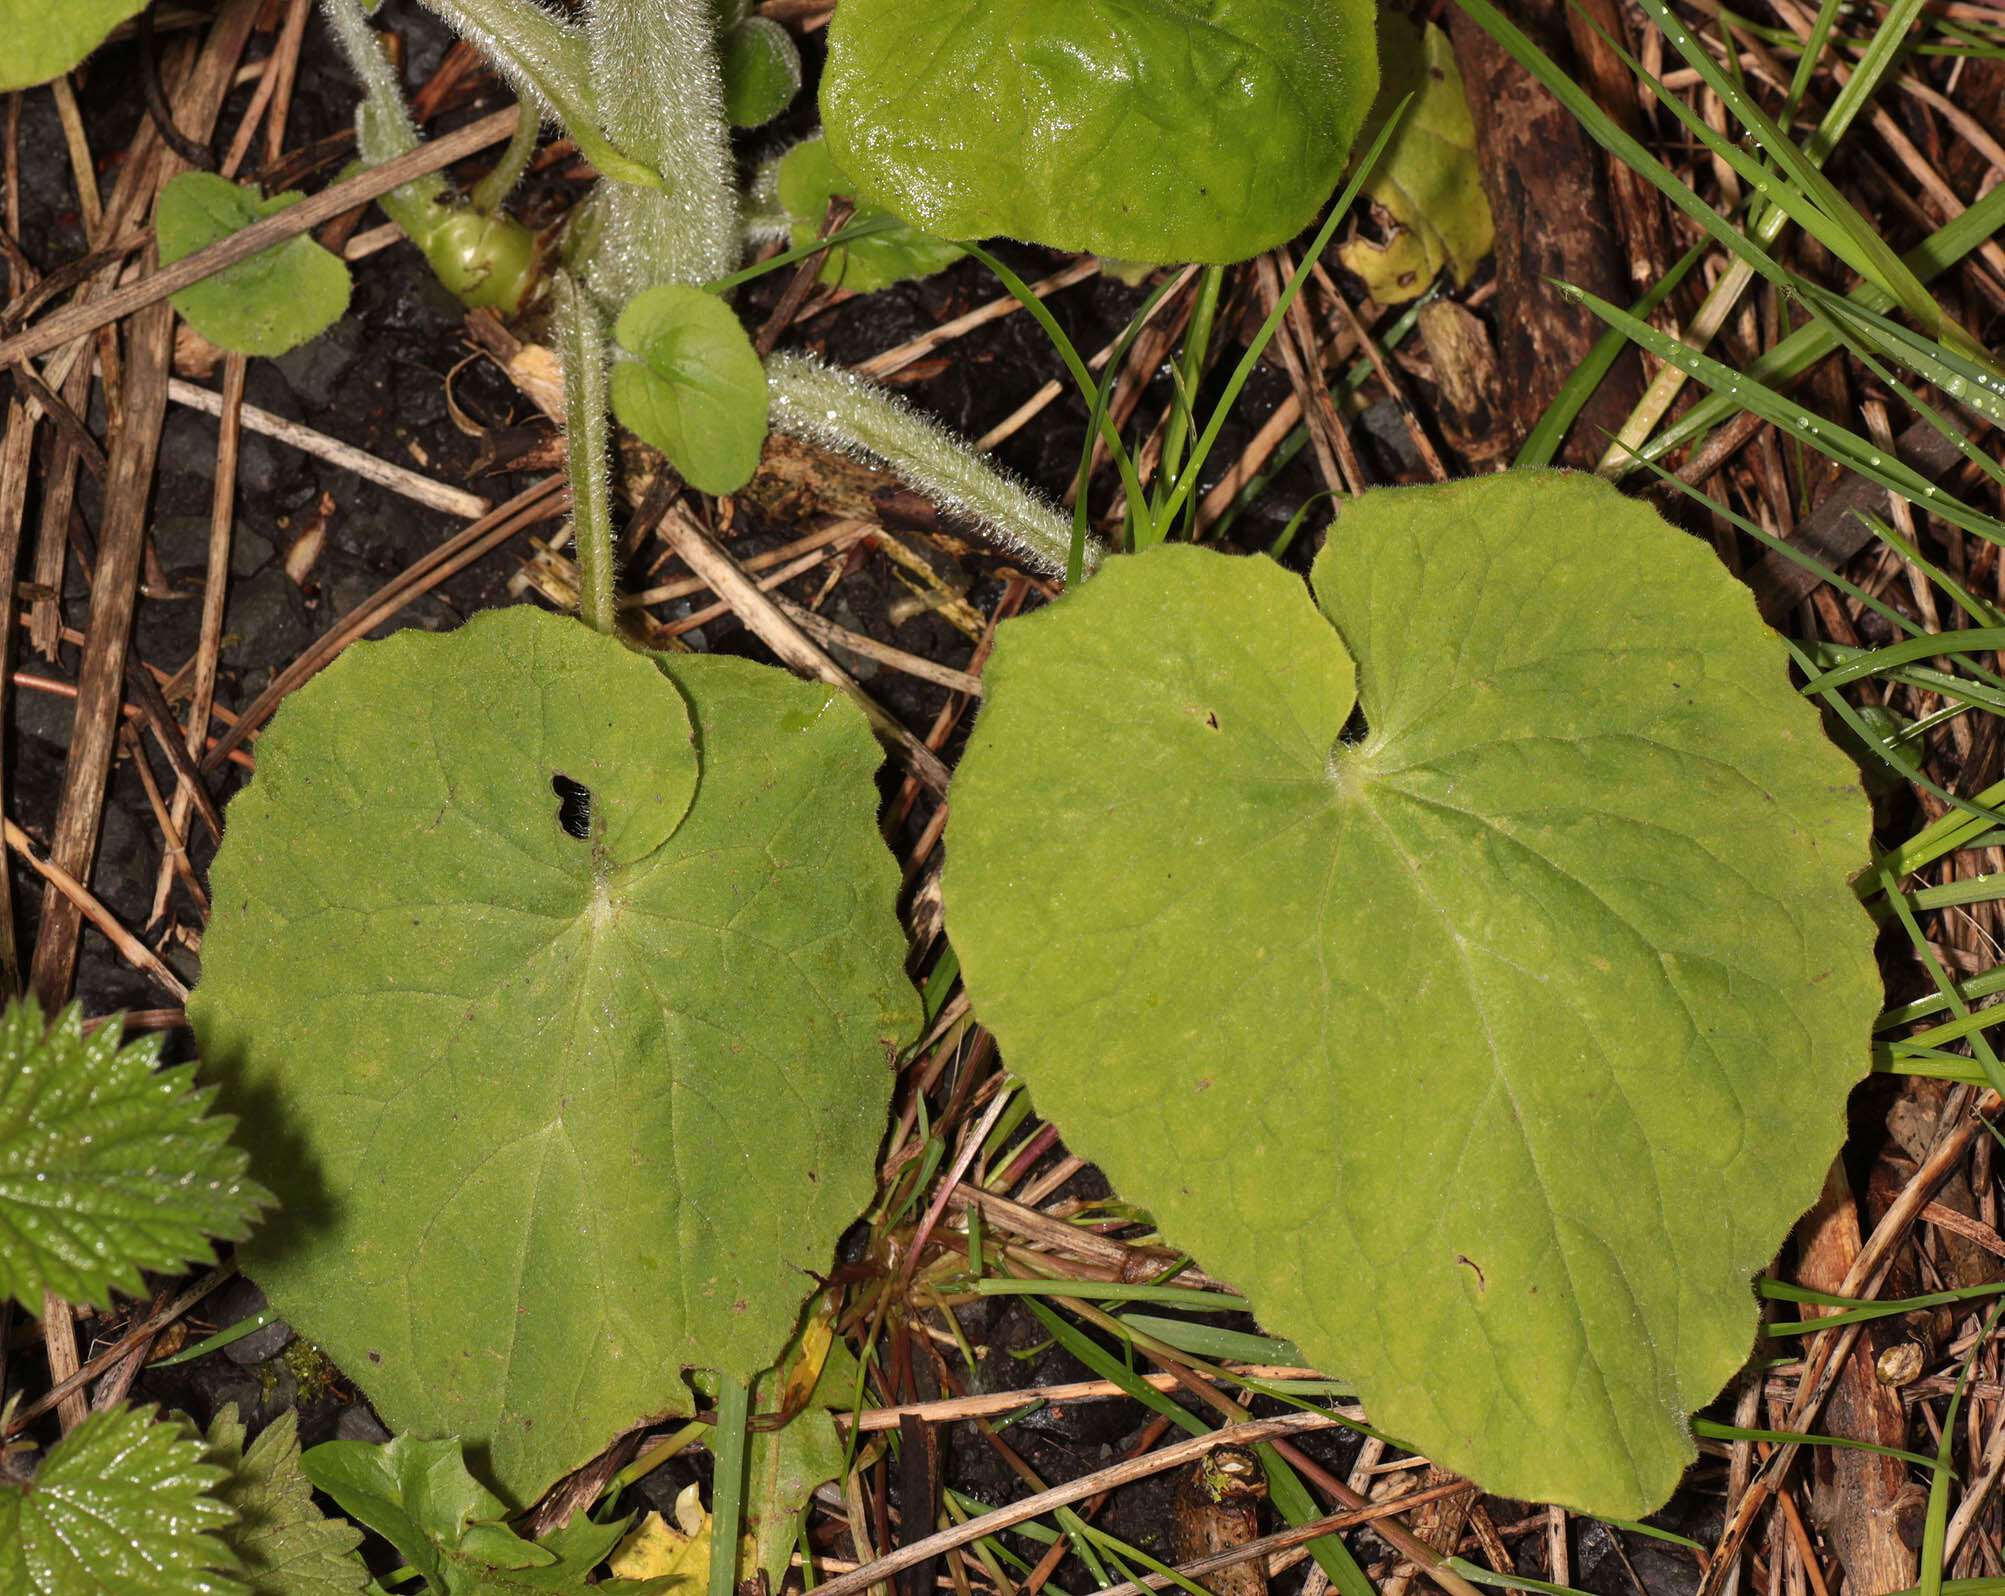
(540, 54)
(840, 411)
(581, 339)
(383, 126)
(660, 96)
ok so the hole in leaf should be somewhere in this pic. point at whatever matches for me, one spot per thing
(1356, 729)
(574, 807)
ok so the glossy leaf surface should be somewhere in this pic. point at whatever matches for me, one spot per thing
(276, 300)
(553, 1116)
(1160, 130)
(107, 1165)
(1490, 1052)
(695, 388)
(119, 1504)
(39, 40)
(807, 180)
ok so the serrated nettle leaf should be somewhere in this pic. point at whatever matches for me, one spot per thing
(119, 1504)
(553, 1116)
(695, 388)
(107, 1165)
(283, 1544)
(1162, 130)
(762, 70)
(1427, 183)
(279, 298)
(1489, 1053)
(807, 180)
(39, 41)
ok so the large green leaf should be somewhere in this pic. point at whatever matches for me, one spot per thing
(1144, 129)
(1489, 1050)
(284, 1544)
(1427, 184)
(39, 40)
(119, 1507)
(695, 388)
(107, 1165)
(279, 298)
(552, 1116)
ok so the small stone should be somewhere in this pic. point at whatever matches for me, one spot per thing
(1899, 1364)
(262, 1344)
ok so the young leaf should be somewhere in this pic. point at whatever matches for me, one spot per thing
(807, 180)
(784, 1466)
(695, 388)
(1489, 1050)
(284, 1544)
(107, 1165)
(1427, 181)
(557, 1114)
(1163, 130)
(274, 301)
(762, 71)
(419, 1497)
(119, 1504)
(39, 41)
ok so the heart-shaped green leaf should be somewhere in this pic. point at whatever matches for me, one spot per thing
(38, 40)
(1489, 1049)
(553, 1116)
(274, 301)
(119, 1504)
(1164, 130)
(807, 180)
(695, 388)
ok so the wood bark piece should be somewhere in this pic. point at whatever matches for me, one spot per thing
(1833, 532)
(101, 682)
(1863, 1502)
(1595, 27)
(1552, 214)
(16, 445)
(122, 541)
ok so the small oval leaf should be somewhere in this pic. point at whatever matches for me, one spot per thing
(695, 388)
(1161, 130)
(762, 71)
(274, 301)
(552, 1117)
(1488, 1043)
